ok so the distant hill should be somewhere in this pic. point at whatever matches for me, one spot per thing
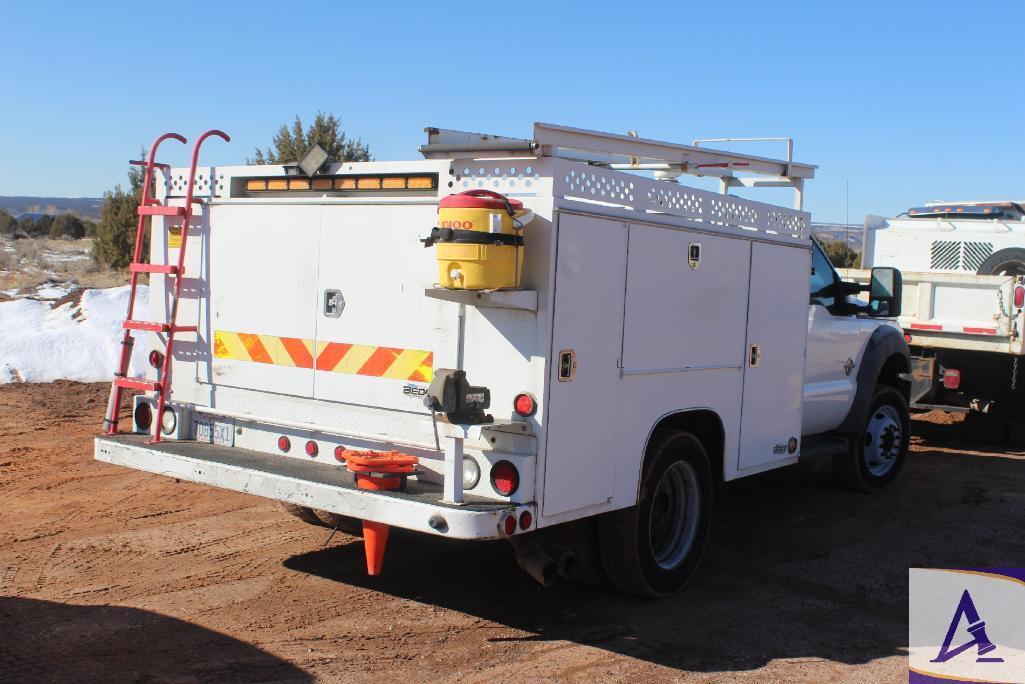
(838, 231)
(84, 207)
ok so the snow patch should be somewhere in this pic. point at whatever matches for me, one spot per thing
(74, 341)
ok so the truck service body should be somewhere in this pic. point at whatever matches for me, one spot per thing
(963, 307)
(662, 333)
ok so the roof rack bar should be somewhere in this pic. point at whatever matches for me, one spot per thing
(581, 144)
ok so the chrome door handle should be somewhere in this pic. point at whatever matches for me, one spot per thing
(334, 303)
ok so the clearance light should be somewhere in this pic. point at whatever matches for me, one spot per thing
(1019, 296)
(344, 183)
(509, 525)
(526, 519)
(311, 449)
(283, 444)
(143, 417)
(525, 405)
(340, 453)
(505, 478)
(156, 359)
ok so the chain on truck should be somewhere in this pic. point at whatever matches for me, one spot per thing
(549, 340)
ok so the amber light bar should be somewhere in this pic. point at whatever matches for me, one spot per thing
(349, 183)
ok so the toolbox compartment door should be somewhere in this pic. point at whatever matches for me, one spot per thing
(379, 344)
(581, 414)
(261, 323)
(777, 330)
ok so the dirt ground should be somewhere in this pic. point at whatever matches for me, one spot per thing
(108, 574)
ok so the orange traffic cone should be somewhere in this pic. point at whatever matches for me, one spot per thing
(375, 541)
(375, 470)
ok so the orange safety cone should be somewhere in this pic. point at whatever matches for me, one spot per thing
(377, 470)
(375, 541)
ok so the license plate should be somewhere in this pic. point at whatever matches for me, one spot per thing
(215, 432)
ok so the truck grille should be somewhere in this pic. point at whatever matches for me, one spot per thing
(954, 255)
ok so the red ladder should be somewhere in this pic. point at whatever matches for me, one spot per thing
(148, 207)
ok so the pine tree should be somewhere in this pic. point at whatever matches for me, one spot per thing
(290, 145)
(67, 225)
(115, 233)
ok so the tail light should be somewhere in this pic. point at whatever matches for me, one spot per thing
(951, 378)
(526, 519)
(311, 449)
(168, 420)
(907, 338)
(156, 359)
(525, 405)
(509, 524)
(143, 416)
(505, 478)
(284, 444)
(1019, 296)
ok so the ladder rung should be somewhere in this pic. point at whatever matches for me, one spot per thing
(138, 383)
(159, 210)
(158, 327)
(156, 165)
(169, 269)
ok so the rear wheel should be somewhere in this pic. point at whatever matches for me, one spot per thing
(653, 548)
(315, 516)
(877, 455)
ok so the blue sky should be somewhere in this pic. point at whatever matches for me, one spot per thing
(907, 101)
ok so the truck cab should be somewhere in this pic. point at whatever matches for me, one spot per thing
(663, 339)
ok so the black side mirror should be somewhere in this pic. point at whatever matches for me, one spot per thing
(885, 292)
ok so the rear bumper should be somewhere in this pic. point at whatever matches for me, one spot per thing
(308, 484)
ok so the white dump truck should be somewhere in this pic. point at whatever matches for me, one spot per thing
(654, 339)
(963, 309)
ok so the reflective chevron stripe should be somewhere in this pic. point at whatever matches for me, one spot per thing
(336, 357)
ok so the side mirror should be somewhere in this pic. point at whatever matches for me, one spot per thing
(885, 292)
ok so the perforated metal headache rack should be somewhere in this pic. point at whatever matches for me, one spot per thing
(593, 167)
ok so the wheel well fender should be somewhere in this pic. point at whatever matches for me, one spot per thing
(886, 360)
(705, 424)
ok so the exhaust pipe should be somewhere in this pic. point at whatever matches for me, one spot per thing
(534, 561)
(538, 561)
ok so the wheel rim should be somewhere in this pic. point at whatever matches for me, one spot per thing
(675, 508)
(883, 440)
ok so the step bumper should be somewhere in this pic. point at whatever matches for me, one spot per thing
(308, 484)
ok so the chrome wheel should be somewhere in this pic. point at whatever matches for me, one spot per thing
(884, 440)
(675, 512)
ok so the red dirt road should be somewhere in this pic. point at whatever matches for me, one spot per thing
(108, 574)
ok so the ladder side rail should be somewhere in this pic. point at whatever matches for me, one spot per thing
(127, 339)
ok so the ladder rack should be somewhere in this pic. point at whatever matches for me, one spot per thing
(625, 153)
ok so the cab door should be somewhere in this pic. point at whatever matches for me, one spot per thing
(834, 346)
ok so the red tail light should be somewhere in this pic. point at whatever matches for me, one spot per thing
(311, 449)
(156, 359)
(526, 519)
(907, 338)
(1019, 296)
(509, 525)
(525, 405)
(284, 444)
(505, 478)
(951, 378)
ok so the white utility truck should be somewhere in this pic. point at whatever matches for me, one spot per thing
(661, 341)
(963, 309)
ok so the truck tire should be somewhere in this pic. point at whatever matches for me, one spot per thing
(315, 516)
(652, 549)
(1004, 262)
(877, 455)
